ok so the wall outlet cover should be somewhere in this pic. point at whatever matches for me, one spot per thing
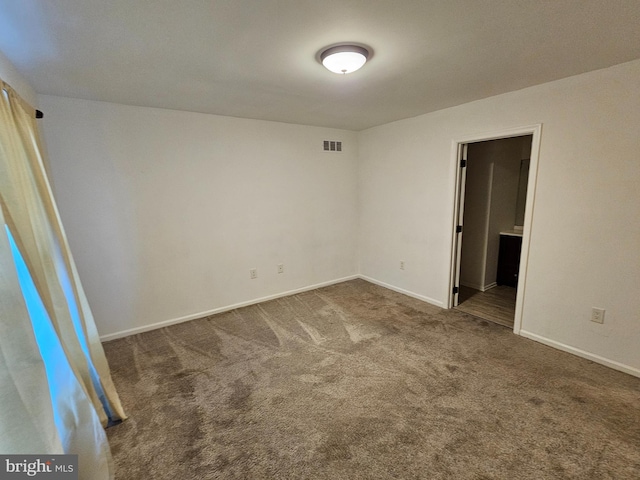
(597, 315)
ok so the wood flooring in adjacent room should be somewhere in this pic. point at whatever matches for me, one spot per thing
(498, 304)
(354, 381)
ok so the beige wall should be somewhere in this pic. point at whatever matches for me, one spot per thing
(586, 220)
(167, 211)
(504, 196)
(477, 204)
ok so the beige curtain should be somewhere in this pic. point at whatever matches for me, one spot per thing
(54, 398)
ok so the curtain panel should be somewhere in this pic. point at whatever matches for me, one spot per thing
(57, 393)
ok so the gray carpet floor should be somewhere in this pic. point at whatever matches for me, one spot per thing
(354, 381)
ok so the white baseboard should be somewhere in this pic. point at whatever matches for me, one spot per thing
(489, 287)
(194, 316)
(477, 286)
(532, 336)
(581, 353)
(437, 303)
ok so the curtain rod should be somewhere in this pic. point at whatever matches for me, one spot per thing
(4, 86)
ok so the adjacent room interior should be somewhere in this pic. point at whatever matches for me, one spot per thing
(495, 193)
(429, 264)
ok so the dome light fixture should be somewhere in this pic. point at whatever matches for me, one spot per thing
(344, 58)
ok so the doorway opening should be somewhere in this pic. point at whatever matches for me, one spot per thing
(493, 205)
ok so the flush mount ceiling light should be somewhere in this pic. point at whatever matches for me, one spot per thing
(344, 59)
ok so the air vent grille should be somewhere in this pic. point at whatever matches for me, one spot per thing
(332, 146)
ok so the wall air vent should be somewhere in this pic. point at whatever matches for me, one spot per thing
(332, 146)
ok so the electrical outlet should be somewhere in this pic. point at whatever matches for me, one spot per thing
(280, 268)
(597, 315)
(401, 265)
(253, 273)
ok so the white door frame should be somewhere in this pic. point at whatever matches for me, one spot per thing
(461, 184)
(457, 149)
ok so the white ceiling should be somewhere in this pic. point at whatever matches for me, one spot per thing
(257, 58)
